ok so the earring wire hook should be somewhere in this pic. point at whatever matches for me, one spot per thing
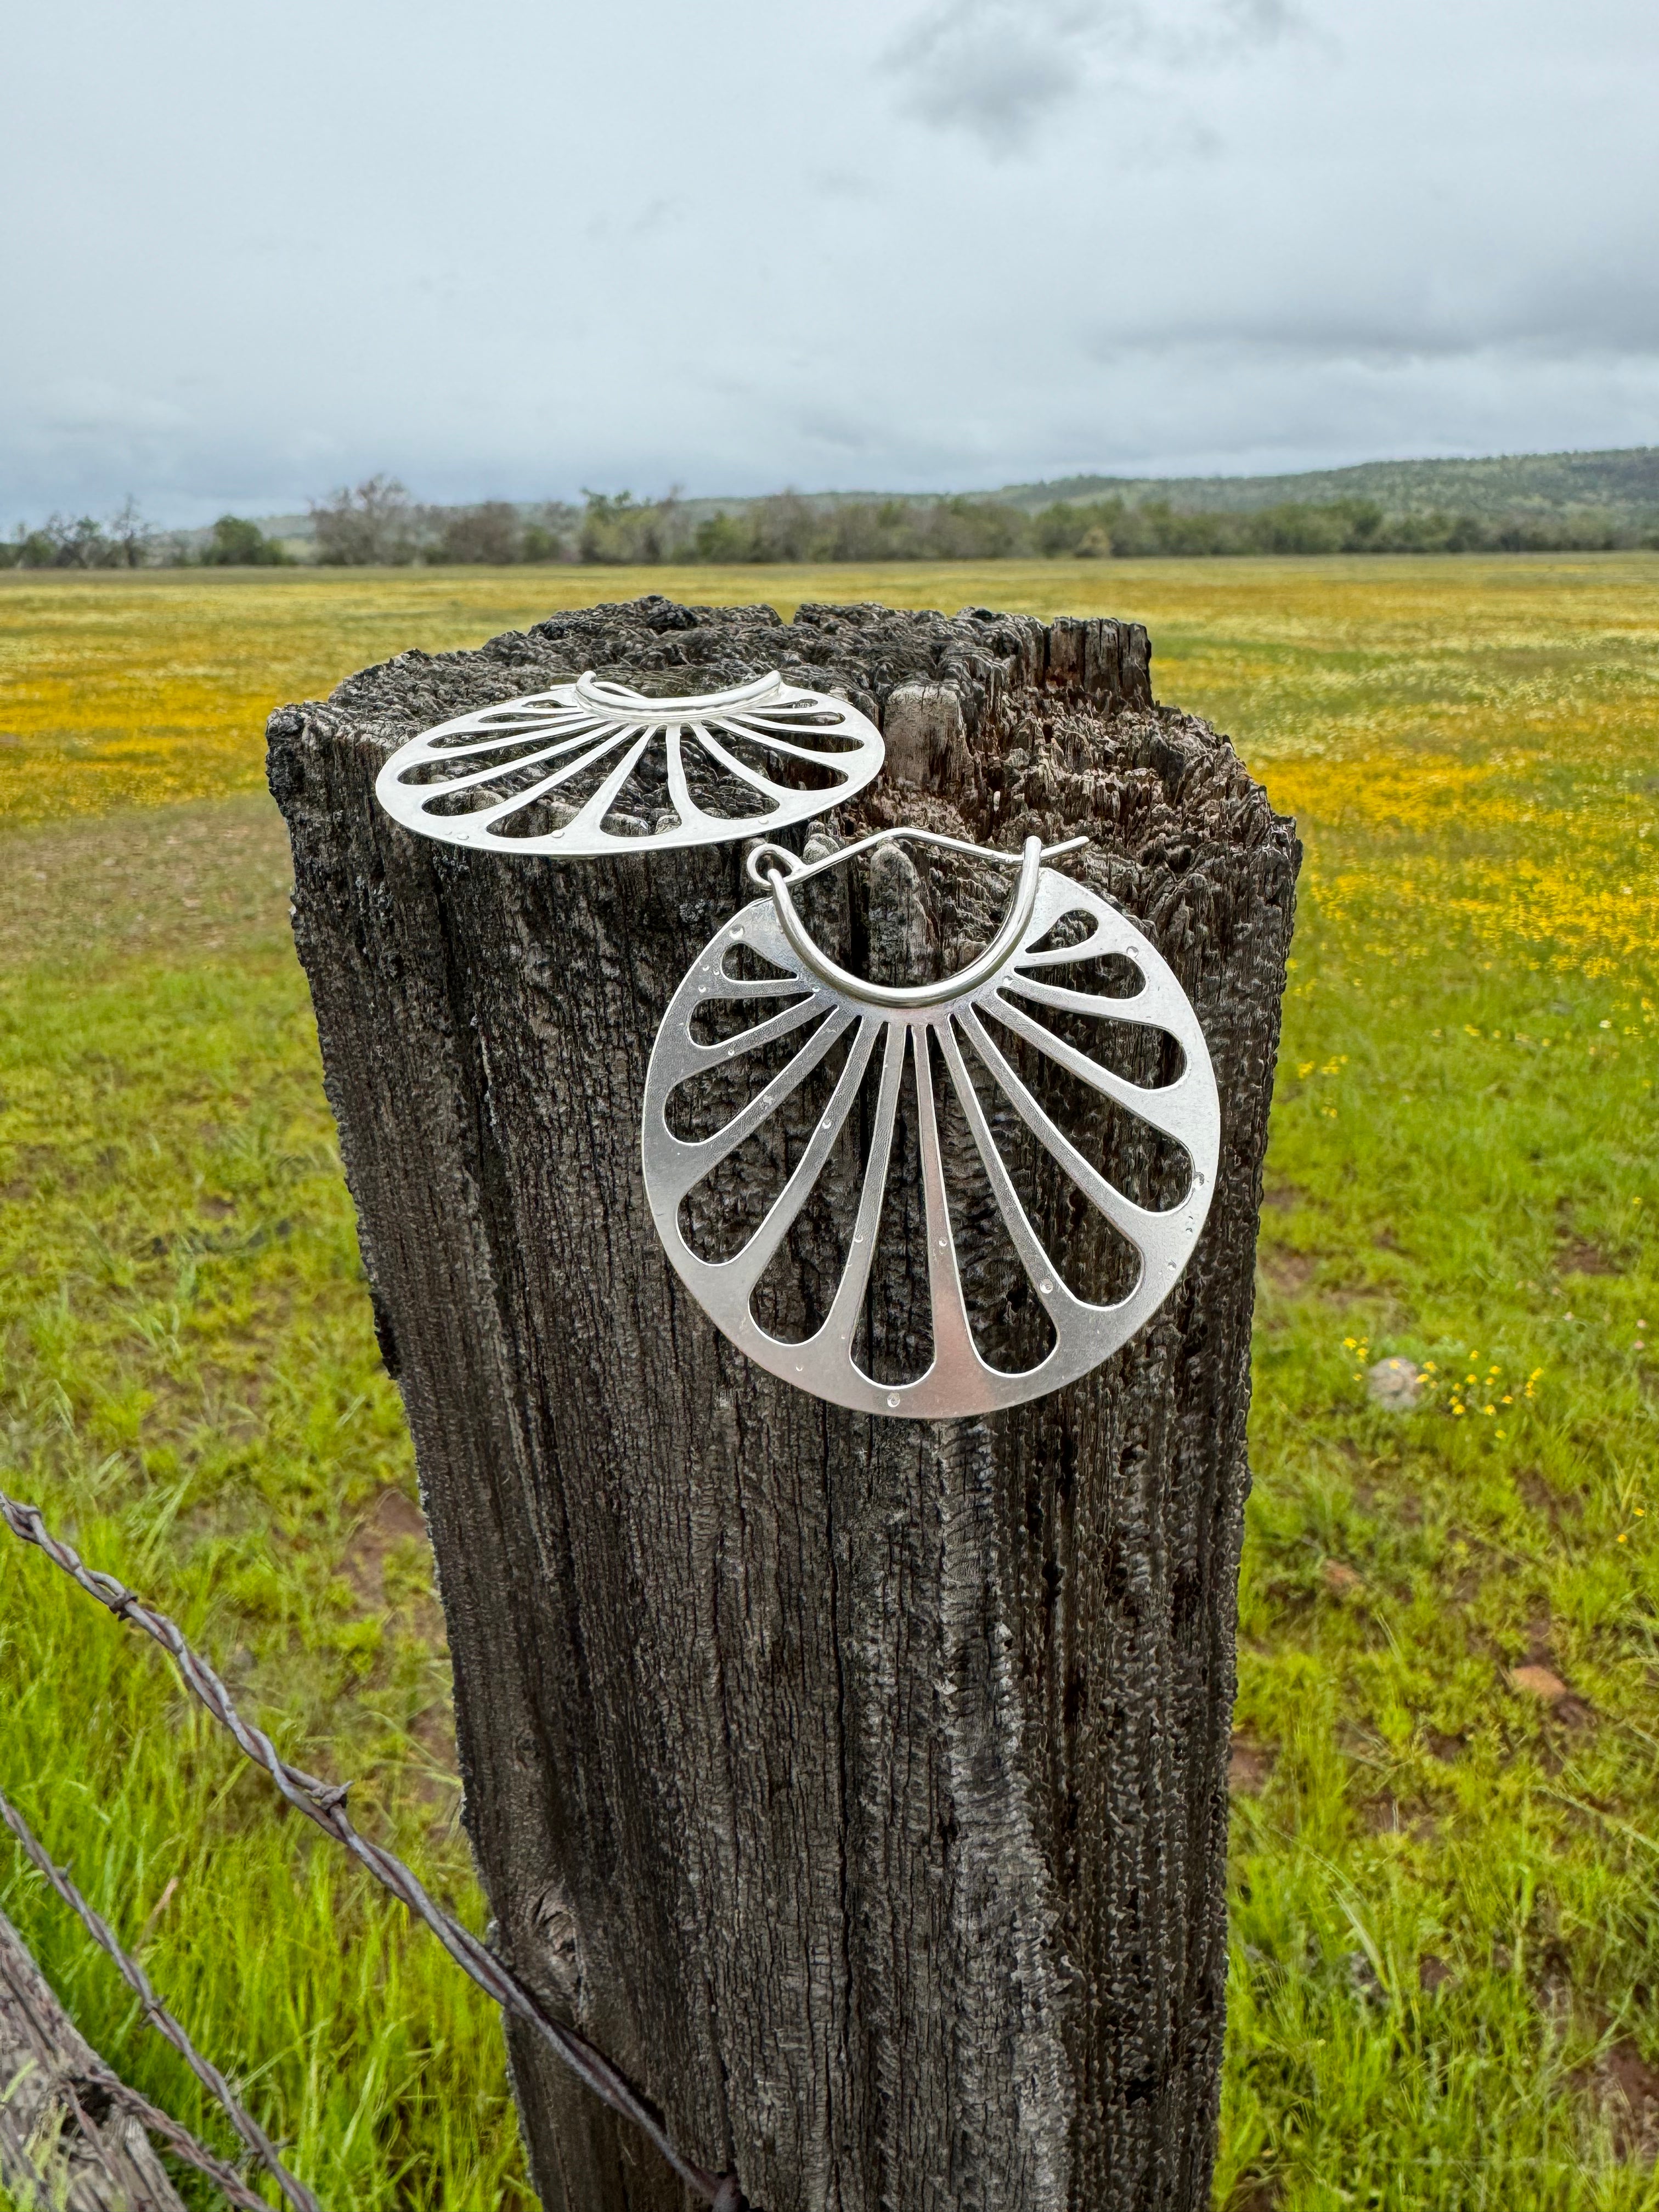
(775, 869)
(613, 699)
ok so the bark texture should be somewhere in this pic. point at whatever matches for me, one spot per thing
(61, 2146)
(859, 1786)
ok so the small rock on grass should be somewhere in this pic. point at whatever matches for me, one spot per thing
(1395, 1384)
(1538, 1682)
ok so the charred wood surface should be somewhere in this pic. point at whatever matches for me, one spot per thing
(859, 1786)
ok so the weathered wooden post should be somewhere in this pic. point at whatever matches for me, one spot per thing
(61, 2142)
(857, 1785)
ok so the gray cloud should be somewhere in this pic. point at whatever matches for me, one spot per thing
(789, 244)
(995, 67)
(1262, 22)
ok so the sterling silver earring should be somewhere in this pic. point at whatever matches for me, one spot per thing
(1017, 976)
(592, 768)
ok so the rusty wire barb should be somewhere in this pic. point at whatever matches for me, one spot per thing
(156, 2013)
(324, 1803)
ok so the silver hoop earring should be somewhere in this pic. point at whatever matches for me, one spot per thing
(592, 768)
(998, 989)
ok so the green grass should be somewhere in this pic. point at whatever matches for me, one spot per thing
(192, 1387)
(1446, 1914)
(1446, 1888)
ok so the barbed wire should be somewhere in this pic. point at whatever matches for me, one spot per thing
(94, 2074)
(155, 2012)
(324, 1803)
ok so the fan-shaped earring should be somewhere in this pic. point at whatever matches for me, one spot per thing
(1019, 977)
(592, 768)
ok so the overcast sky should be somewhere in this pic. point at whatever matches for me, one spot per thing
(518, 247)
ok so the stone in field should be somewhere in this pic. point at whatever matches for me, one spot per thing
(1395, 1384)
(1538, 1682)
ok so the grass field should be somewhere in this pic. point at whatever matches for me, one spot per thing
(1446, 1842)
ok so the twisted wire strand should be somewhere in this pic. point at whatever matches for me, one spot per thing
(155, 2012)
(179, 2141)
(324, 1803)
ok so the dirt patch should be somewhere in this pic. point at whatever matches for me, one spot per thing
(1432, 1973)
(34, 1162)
(1341, 1578)
(1248, 1765)
(1581, 1257)
(1541, 1684)
(435, 1783)
(1631, 2094)
(393, 1519)
(1446, 1749)
(1283, 1197)
(1387, 1816)
(1625, 2088)
(203, 880)
(1537, 1494)
(1289, 1274)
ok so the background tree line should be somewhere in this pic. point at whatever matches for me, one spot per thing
(377, 524)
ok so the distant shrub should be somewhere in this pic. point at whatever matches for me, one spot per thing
(376, 523)
(724, 538)
(541, 541)
(370, 527)
(83, 542)
(1154, 529)
(618, 530)
(489, 535)
(789, 527)
(238, 544)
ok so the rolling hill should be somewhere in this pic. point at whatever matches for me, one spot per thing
(1623, 485)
